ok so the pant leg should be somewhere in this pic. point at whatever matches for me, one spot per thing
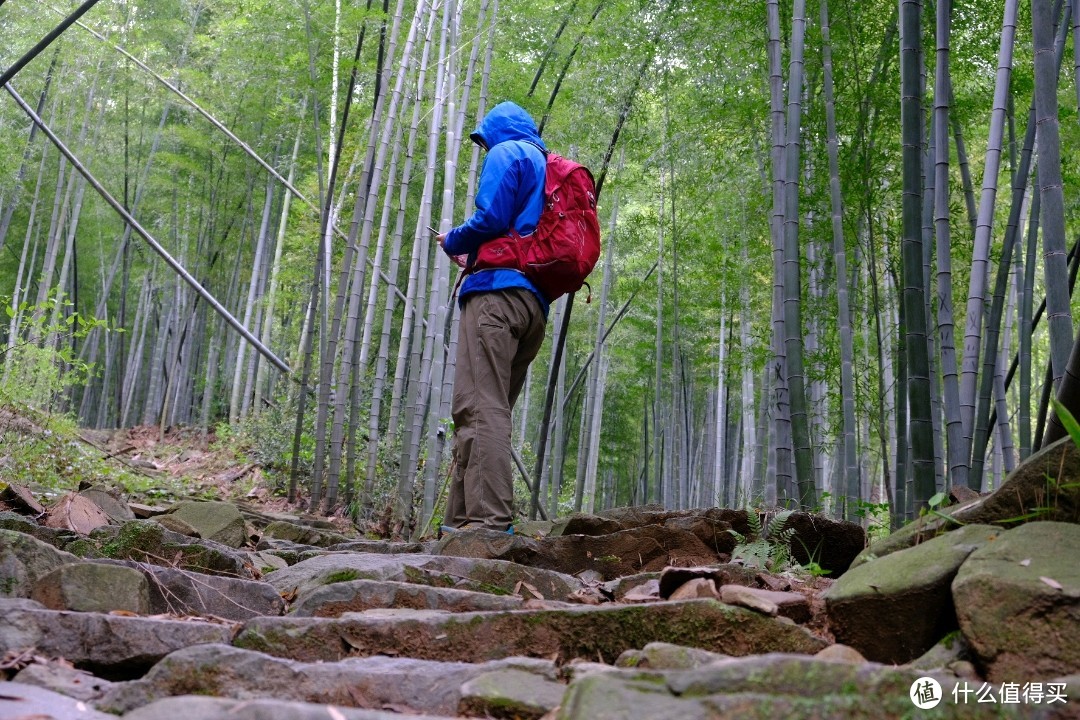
(501, 332)
(461, 411)
(529, 342)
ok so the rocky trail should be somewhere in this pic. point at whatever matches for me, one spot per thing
(211, 609)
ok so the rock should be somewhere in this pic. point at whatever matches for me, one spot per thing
(591, 632)
(20, 497)
(1053, 472)
(650, 548)
(497, 545)
(287, 550)
(714, 533)
(64, 679)
(66, 540)
(374, 682)
(534, 528)
(838, 652)
(760, 687)
(648, 591)
(665, 656)
(110, 502)
(93, 587)
(698, 588)
(283, 530)
(112, 646)
(618, 588)
(511, 694)
(952, 649)
(786, 604)
(76, 513)
(218, 521)
(380, 546)
(613, 554)
(266, 562)
(183, 592)
(147, 541)
(895, 608)
(177, 525)
(24, 559)
(1018, 602)
(584, 524)
(727, 574)
(20, 701)
(832, 544)
(19, 523)
(143, 512)
(194, 707)
(358, 595)
(494, 576)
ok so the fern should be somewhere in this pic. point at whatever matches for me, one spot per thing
(767, 547)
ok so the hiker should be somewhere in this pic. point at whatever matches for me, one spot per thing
(503, 317)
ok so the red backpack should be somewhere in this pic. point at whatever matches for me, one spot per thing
(561, 252)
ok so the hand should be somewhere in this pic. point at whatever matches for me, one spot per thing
(441, 239)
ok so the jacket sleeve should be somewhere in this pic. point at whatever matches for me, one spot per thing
(496, 203)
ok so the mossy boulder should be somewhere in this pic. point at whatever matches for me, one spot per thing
(1018, 603)
(25, 559)
(665, 656)
(511, 694)
(93, 587)
(1045, 487)
(302, 534)
(218, 521)
(148, 541)
(897, 607)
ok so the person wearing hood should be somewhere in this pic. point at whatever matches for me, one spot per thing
(503, 318)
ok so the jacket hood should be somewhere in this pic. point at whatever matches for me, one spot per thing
(506, 121)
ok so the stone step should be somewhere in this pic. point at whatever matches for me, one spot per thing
(112, 646)
(493, 576)
(589, 632)
(403, 684)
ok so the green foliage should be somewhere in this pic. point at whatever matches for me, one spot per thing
(767, 546)
(40, 363)
(1066, 418)
(44, 451)
(876, 517)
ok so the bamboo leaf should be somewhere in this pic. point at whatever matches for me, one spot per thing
(1067, 420)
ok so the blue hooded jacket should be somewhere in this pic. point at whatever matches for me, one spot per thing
(510, 195)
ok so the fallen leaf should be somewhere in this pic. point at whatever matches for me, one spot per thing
(1052, 583)
(1026, 562)
(530, 588)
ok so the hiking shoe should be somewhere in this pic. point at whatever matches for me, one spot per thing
(447, 530)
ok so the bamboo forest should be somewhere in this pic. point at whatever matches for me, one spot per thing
(839, 240)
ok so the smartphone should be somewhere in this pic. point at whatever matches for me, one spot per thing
(433, 230)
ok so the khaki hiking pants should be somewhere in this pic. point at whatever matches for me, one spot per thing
(500, 334)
